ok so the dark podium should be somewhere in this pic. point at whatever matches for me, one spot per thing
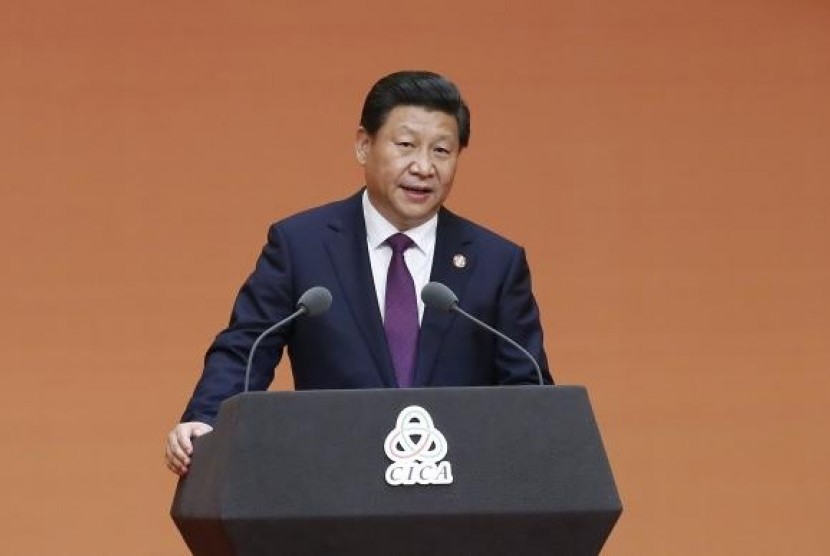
(521, 470)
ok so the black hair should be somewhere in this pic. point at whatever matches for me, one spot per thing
(415, 88)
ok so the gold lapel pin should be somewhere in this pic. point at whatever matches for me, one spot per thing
(459, 261)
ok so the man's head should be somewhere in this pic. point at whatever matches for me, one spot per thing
(413, 127)
(415, 88)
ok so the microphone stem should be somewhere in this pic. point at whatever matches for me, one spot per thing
(455, 307)
(302, 309)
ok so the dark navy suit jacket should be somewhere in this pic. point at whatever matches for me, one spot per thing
(346, 346)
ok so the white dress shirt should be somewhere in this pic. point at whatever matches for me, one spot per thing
(418, 258)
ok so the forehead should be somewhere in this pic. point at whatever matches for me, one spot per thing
(416, 119)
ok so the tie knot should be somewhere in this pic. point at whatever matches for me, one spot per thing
(399, 242)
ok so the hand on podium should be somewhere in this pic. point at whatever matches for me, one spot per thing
(179, 447)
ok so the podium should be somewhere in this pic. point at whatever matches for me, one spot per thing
(509, 470)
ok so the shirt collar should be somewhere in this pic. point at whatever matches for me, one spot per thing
(378, 228)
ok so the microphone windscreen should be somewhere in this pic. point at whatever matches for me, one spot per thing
(438, 296)
(316, 300)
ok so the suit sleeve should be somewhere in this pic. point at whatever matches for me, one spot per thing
(265, 298)
(518, 318)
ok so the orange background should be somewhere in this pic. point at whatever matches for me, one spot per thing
(665, 163)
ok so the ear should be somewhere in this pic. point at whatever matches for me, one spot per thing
(362, 144)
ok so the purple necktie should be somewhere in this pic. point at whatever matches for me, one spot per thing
(401, 312)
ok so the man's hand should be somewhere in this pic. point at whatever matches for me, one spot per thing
(179, 447)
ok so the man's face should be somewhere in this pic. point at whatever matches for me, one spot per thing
(410, 163)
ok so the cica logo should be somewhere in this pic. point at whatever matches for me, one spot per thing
(416, 449)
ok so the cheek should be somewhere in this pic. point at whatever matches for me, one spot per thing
(384, 172)
(393, 169)
(446, 175)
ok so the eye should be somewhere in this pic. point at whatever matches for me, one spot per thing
(443, 151)
(405, 144)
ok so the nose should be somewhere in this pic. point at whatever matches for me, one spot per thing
(421, 164)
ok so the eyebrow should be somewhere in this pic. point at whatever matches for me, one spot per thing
(406, 128)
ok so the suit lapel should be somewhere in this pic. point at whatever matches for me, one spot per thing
(346, 246)
(452, 264)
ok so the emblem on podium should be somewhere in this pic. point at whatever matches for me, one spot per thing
(417, 450)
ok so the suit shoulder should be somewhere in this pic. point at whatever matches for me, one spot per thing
(481, 234)
(317, 217)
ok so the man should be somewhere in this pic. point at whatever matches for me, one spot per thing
(375, 251)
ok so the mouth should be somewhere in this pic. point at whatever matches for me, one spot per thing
(416, 190)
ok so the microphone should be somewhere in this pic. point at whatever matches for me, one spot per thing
(440, 297)
(313, 302)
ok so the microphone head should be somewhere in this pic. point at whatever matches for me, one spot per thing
(315, 301)
(438, 296)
